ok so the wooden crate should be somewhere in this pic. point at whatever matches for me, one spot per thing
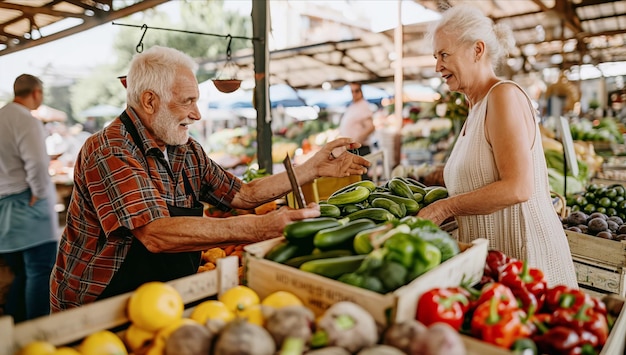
(597, 250)
(600, 263)
(318, 292)
(615, 343)
(600, 277)
(73, 325)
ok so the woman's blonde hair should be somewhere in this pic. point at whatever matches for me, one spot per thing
(468, 24)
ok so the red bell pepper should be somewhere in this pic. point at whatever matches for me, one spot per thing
(523, 281)
(563, 297)
(499, 291)
(495, 263)
(584, 319)
(447, 305)
(566, 341)
(499, 325)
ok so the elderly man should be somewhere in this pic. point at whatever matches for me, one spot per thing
(135, 214)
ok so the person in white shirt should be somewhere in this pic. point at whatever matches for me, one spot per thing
(357, 122)
(28, 222)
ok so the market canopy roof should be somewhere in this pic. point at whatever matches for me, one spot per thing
(23, 22)
(548, 33)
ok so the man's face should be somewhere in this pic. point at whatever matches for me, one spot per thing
(38, 97)
(171, 122)
(357, 94)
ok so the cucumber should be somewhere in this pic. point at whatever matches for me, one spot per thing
(413, 182)
(305, 229)
(434, 194)
(389, 205)
(328, 210)
(357, 195)
(400, 188)
(299, 260)
(342, 236)
(285, 250)
(333, 267)
(347, 209)
(364, 183)
(412, 207)
(417, 190)
(375, 214)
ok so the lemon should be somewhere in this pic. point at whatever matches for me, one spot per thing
(238, 298)
(66, 351)
(252, 314)
(102, 342)
(136, 338)
(155, 305)
(38, 347)
(281, 299)
(211, 310)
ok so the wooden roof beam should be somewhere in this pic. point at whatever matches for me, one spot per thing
(563, 9)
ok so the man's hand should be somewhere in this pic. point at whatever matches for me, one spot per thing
(273, 223)
(334, 159)
(33, 200)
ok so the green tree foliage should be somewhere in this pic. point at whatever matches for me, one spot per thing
(103, 87)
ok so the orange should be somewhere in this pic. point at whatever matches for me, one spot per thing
(211, 310)
(155, 305)
(238, 298)
(281, 299)
(66, 351)
(38, 347)
(103, 342)
(135, 338)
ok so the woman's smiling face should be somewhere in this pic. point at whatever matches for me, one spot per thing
(454, 60)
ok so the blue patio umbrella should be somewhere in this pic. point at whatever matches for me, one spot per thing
(280, 95)
(343, 96)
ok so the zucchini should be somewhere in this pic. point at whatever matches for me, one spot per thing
(305, 229)
(285, 250)
(362, 243)
(299, 260)
(333, 267)
(375, 214)
(357, 195)
(328, 210)
(412, 207)
(368, 184)
(400, 188)
(342, 236)
(389, 205)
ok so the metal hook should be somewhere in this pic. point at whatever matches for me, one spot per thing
(139, 47)
(228, 51)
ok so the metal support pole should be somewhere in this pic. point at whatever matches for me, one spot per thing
(260, 21)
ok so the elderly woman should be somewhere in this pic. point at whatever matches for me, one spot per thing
(496, 174)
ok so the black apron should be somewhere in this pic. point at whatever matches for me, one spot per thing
(140, 265)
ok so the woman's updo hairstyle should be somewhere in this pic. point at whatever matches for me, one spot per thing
(469, 24)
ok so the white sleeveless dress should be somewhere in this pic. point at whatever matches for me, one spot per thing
(527, 231)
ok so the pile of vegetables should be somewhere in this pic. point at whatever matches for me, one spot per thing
(513, 308)
(366, 239)
(605, 130)
(608, 200)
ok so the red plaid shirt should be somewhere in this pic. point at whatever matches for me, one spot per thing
(117, 189)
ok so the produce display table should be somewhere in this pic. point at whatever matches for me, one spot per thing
(72, 325)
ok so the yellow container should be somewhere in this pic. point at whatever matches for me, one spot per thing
(320, 189)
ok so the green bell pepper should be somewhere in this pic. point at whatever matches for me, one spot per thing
(427, 256)
(401, 249)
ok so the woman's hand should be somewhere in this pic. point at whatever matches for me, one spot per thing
(335, 160)
(437, 212)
